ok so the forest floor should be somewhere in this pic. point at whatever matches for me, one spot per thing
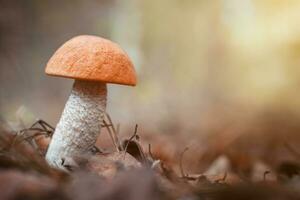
(249, 160)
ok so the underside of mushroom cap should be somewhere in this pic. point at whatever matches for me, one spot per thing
(92, 58)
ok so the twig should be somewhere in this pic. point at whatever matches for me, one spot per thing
(180, 162)
(110, 121)
(111, 135)
(44, 124)
(118, 129)
(24, 134)
(149, 151)
(115, 132)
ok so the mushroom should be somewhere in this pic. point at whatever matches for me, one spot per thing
(92, 61)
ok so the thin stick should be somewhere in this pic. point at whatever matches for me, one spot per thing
(109, 119)
(20, 135)
(111, 135)
(180, 162)
(117, 137)
(44, 124)
(108, 126)
(150, 153)
(114, 131)
(118, 129)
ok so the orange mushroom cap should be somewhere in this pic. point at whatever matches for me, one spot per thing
(92, 58)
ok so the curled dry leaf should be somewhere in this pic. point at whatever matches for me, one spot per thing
(134, 149)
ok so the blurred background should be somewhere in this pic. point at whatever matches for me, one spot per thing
(211, 74)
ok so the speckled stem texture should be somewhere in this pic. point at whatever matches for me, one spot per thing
(80, 123)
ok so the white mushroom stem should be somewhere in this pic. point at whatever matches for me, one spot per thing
(80, 123)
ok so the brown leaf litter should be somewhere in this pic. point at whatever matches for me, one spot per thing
(127, 172)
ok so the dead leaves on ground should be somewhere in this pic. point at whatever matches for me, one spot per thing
(129, 172)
